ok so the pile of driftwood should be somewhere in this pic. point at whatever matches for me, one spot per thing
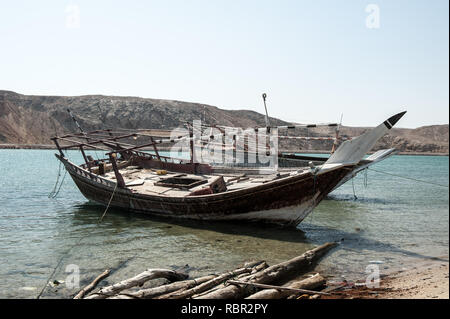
(254, 280)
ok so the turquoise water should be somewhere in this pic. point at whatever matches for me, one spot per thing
(396, 222)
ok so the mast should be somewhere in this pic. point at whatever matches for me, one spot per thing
(264, 96)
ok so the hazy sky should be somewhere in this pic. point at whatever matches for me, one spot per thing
(314, 59)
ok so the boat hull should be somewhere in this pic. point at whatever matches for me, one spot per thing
(299, 194)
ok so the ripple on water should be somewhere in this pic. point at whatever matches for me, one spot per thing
(393, 221)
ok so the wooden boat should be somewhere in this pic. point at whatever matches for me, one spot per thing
(135, 180)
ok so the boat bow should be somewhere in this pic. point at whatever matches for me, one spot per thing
(351, 152)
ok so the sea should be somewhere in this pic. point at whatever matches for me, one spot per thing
(394, 216)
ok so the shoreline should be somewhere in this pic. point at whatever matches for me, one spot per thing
(427, 280)
(53, 147)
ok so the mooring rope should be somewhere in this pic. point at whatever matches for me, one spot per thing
(54, 193)
(109, 203)
(57, 180)
(365, 178)
(74, 245)
(59, 188)
(59, 263)
(353, 185)
(410, 178)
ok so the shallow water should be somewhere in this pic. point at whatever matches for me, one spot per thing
(395, 222)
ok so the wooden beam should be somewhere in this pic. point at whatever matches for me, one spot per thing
(306, 291)
(88, 163)
(119, 178)
(155, 148)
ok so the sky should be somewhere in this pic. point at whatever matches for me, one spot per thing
(316, 60)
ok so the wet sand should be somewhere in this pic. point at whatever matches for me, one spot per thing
(429, 280)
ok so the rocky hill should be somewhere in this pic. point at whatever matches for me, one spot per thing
(30, 119)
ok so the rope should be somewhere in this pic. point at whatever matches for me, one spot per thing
(59, 263)
(104, 213)
(353, 185)
(54, 193)
(365, 178)
(60, 185)
(57, 180)
(76, 244)
(410, 178)
(289, 127)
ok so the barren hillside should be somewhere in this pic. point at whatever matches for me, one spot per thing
(30, 119)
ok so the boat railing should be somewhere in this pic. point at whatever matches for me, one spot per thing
(129, 145)
(81, 171)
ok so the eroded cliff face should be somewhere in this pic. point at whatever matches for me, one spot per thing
(30, 119)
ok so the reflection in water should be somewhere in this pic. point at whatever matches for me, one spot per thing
(87, 213)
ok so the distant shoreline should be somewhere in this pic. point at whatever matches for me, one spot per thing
(53, 147)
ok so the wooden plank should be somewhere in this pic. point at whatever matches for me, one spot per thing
(311, 292)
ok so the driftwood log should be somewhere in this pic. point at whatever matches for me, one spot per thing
(92, 285)
(137, 281)
(255, 280)
(272, 274)
(261, 266)
(164, 289)
(309, 283)
(281, 288)
(181, 286)
(207, 285)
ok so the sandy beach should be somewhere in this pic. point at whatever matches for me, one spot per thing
(429, 280)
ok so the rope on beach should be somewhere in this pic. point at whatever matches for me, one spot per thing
(410, 178)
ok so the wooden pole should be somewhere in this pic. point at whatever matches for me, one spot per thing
(88, 163)
(205, 286)
(92, 285)
(155, 148)
(136, 281)
(191, 145)
(303, 286)
(164, 289)
(119, 178)
(272, 274)
(55, 140)
(279, 288)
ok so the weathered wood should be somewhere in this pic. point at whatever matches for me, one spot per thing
(256, 268)
(280, 288)
(302, 286)
(205, 286)
(136, 281)
(92, 285)
(272, 274)
(119, 178)
(222, 205)
(182, 286)
(164, 289)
